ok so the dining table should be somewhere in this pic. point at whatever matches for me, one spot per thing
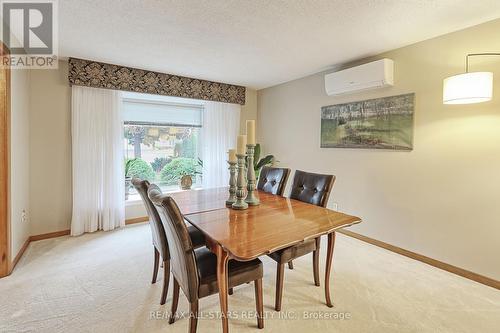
(276, 223)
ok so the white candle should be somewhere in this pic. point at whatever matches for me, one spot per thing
(251, 132)
(232, 155)
(242, 145)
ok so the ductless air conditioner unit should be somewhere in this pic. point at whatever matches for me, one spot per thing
(373, 75)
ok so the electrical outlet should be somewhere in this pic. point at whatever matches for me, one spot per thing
(335, 206)
(24, 216)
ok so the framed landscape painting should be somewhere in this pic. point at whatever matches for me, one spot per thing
(381, 123)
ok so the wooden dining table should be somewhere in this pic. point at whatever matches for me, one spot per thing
(244, 235)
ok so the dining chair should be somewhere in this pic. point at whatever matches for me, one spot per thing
(273, 180)
(160, 244)
(195, 271)
(314, 189)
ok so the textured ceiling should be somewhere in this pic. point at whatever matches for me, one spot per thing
(254, 43)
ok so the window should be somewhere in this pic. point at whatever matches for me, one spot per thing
(162, 138)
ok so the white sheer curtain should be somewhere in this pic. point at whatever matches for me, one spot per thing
(221, 122)
(97, 143)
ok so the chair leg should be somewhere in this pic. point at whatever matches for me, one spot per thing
(175, 302)
(259, 303)
(280, 274)
(316, 262)
(230, 292)
(155, 267)
(290, 264)
(166, 280)
(193, 316)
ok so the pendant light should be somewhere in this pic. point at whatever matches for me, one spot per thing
(469, 87)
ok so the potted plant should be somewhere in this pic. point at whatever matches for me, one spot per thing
(137, 167)
(128, 176)
(180, 171)
(258, 162)
(186, 180)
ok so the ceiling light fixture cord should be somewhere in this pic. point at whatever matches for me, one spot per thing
(475, 55)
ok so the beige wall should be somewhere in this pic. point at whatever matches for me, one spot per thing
(440, 200)
(50, 150)
(249, 110)
(19, 159)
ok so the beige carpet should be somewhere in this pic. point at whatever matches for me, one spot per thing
(101, 283)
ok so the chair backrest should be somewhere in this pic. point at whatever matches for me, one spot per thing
(182, 259)
(159, 237)
(273, 180)
(312, 188)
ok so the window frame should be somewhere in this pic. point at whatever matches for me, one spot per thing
(134, 198)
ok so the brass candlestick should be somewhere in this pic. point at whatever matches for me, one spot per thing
(240, 184)
(232, 183)
(251, 199)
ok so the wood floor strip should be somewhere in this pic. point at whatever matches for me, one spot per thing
(19, 254)
(49, 235)
(433, 262)
(136, 220)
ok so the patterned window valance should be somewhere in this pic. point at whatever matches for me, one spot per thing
(100, 75)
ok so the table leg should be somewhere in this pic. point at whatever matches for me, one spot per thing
(329, 257)
(222, 280)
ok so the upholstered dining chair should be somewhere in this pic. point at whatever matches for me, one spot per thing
(160, 244)
(195, 271)
(273, 180)
(314, 189)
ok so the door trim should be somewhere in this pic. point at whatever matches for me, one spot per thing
(5, 228)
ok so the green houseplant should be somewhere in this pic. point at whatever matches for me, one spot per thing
(180, 169)
(186, 180)
(259, 163)
(137, 167)
(128, 178)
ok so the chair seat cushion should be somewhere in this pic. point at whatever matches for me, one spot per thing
(285, 255)
(197, 237)
(239, 272)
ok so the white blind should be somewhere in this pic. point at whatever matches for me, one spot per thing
(160, 112)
